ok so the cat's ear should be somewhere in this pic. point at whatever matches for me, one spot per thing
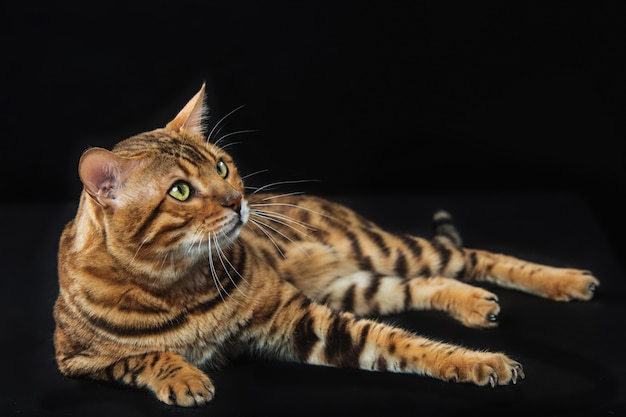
(191, 117)
(102, 173)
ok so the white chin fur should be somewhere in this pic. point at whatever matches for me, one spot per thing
(244, 212)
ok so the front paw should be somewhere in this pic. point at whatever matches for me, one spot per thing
(571, 284)
(186, 387)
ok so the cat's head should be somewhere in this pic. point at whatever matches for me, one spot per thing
(168, 193)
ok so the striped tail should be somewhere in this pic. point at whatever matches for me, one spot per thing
(444, 230)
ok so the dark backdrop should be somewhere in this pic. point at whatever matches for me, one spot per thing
(359, 96)
(511, 115)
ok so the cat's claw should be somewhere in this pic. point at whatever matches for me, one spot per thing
(516, 374)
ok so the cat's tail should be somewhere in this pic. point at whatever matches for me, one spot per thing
(444, 230)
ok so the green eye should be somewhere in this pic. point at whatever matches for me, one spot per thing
(181, 191)
(222, 169)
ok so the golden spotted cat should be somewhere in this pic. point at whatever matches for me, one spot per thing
(168, 268)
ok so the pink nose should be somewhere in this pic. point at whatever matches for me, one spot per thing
(233, 201)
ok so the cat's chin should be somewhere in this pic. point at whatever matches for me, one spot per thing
(230, 232)
(229, 236)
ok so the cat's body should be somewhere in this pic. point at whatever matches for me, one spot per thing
(168, 269)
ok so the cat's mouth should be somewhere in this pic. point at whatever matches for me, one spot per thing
(230, 230)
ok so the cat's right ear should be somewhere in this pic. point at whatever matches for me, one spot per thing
(101, 172)
(191, 117)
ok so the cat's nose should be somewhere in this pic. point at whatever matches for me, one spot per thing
(233, 201)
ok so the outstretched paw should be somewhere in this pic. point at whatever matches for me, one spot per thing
(572, 284)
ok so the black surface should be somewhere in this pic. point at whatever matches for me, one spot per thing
(573, 353)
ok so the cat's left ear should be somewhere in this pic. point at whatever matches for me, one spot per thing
(103, 173)
(191, 117)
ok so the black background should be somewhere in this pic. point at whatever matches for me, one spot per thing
(482, 101)
(359, 96)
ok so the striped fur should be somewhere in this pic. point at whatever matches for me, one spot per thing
(168, 269)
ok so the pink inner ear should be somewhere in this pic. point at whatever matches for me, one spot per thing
(99, 170)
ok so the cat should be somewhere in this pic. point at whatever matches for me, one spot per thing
(169, 269)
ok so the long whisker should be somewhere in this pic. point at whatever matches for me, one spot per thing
(271, 197)
(223, 258)
(218, 252)
(282, 234)
(218, 285)
(232, 134)
(197, 238)
(281, 183)
(210, 135)
(295, 206)
(266, 233)
(283, 219)
(228, 145)
(254, 173)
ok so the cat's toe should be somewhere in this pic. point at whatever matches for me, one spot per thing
(481, 310)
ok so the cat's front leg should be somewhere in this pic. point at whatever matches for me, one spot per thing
(173, 380)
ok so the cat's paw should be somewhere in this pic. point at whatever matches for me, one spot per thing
(187, 388)
(482, 368)
(475, 307)
(571, 284)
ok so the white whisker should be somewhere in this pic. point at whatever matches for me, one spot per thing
(196, 239)
(295, 206)
(239, 132)
(272, 184)
(254, 173)
(222, 256)
(283, 219)
(209, 136)
(228, 145)
(282, 234)
(262, 229)
(216, 280)
(271, 197)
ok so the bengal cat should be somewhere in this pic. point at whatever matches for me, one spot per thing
(168, 268)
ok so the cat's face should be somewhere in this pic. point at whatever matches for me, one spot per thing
(166, 195)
